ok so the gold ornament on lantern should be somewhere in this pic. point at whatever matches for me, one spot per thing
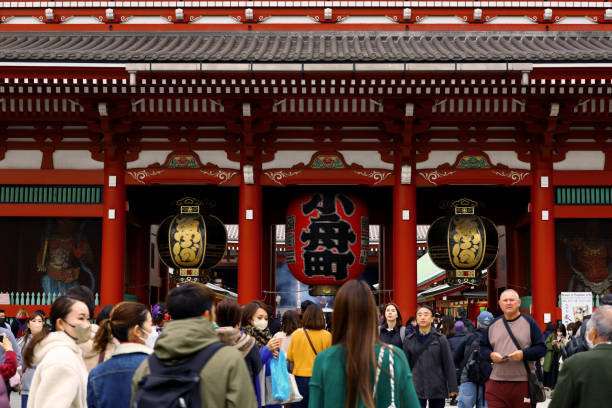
(464, 244)
(190, 242)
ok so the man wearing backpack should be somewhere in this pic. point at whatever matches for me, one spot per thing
(475, 366)
(189, 346)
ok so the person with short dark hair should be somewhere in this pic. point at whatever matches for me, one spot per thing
(104, 313)
(289, 324)
(462, 316)
(431, 361)
(411, 325)
(224, 379)
(3, 323)
(274, 324)
(585, 379)
(305, 344)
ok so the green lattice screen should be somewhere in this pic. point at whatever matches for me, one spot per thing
(583, 195)
(51, 194)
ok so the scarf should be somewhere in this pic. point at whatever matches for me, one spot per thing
(235, 338)
(261, 337)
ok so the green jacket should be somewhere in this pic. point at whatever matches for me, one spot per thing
(552, 352)
(585, 380)
(328, 381)
(224, 380)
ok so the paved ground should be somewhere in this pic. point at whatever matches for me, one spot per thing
(16, 402)
(540, 405)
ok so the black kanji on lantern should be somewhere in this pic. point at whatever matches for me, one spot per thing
(328, 237)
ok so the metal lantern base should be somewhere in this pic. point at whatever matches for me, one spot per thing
(323, 290)
(190, 275)
(462, 277)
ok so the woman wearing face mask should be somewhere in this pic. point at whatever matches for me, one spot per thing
(109, 384)
(36, 324)
(60, 379)
(554, 344)
(255, 324)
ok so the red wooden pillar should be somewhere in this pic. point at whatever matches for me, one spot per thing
(249, 236)
(404, 240)
(113, 234)
(543, 270)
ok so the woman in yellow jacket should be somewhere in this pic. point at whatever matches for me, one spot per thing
(305, 344)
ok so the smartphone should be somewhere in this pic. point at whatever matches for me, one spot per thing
(1, 338)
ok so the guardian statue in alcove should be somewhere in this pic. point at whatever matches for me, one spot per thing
(63, 254)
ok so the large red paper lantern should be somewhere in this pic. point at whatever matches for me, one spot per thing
(327, 240)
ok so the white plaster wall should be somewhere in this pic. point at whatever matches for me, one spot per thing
(576, 20)
(146, 20)
(285, 159)
(369, 160)
(214, 20)
(582, 161)
(441, 20)
(218, 157)
(21, 159)
(23, 20)
(75, 159)
(289, 20)
(507, 158)
(510, 20)
(367, 20)
(148, 157)
(437, 158)
(81, 20)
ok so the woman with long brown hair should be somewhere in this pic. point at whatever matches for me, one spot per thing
(358, 370)
(392, 331)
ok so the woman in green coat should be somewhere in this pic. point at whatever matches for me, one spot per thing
(344, 376)
(554, 343)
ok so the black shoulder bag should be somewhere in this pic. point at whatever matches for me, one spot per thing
(536, 389)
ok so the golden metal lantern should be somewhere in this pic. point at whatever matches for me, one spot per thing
(463, 244)
(190, 242)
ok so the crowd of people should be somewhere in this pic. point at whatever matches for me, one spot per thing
(193, 352)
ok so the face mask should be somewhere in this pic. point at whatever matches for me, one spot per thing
(150, 339)
(82, 333)
(260, 324)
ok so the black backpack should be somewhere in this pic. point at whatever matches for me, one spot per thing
(174, 386)
(478, 367)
